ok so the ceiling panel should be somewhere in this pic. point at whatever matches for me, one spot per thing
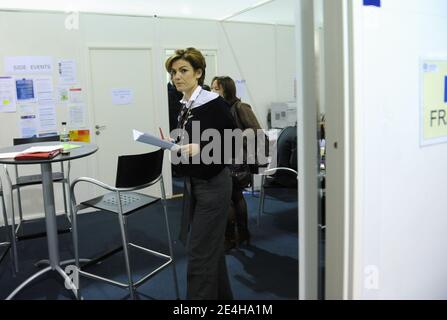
(261, 11)
(275, 12)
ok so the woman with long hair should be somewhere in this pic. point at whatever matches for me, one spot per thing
(237, 226)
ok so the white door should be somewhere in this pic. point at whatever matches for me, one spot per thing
(117, 113)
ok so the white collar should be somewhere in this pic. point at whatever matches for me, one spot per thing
(199, 97)
(193, 96)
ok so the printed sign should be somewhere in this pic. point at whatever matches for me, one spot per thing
(434, 102)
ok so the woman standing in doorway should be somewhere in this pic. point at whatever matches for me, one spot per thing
(245, 120)
(207, 186)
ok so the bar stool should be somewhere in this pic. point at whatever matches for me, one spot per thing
(134, 172)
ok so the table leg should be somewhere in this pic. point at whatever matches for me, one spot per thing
(50, 215)
(52, 236)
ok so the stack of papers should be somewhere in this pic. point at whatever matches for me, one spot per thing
(37, 155)
(68, 147)
(9, 155)
(153, 140)
(39, 152)
(42, 149)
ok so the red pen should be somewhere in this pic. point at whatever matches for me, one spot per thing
(161, 133)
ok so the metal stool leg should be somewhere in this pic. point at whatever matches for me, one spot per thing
(14, 239)
(171, 251)
(74, 232)
(261, 200)
(125, 240)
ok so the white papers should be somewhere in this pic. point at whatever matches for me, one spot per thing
(43, 87)
(122, 96)
(76, 116)
(9, 155)
(75, 95)
(29, 65)
(47, 118)
(62, 94)
(7, 94)
(26, 109)
(42, 149)
(28, 126)
(241, 89)
(153, 140)
(67, 71)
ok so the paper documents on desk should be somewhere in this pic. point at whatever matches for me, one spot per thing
(154, 141)
(42, 149)
(9, 155)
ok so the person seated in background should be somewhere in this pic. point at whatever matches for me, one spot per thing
(245, 119)
(287, 154)
(206, 87)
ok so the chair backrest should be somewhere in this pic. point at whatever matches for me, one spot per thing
(287, 157)
(139, 169)
(287, 148)
(17, 141)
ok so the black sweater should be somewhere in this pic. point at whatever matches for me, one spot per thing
(214, 114)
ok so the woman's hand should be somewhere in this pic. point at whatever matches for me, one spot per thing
(190, 150)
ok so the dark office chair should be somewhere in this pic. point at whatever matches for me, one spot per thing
(36, 179)
(285, 174)
(9, 230)
(265, 174)
(134, 172)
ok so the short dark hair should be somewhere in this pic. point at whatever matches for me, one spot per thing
(229, 88)
(193, 56)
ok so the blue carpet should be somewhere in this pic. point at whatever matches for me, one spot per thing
(265, 270)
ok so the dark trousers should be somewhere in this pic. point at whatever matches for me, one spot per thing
(237, 218)
(207, 271)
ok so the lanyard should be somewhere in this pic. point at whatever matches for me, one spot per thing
(185, 115)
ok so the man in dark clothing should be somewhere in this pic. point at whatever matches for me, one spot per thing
(175, 106)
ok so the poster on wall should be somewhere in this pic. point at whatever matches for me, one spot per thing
(80, 135)
(7, 94)
(241, 90)
(28, 126)
(122, 96)
(76, 113)
(29, 65)
(28, 121)
(67, 71)
(62, 94)
(75, 95)
(43, 88)
(433, 101)
(25, 90)
(47, 118)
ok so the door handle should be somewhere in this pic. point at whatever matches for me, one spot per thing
(98, 127)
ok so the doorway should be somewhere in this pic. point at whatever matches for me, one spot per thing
(122, 98)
